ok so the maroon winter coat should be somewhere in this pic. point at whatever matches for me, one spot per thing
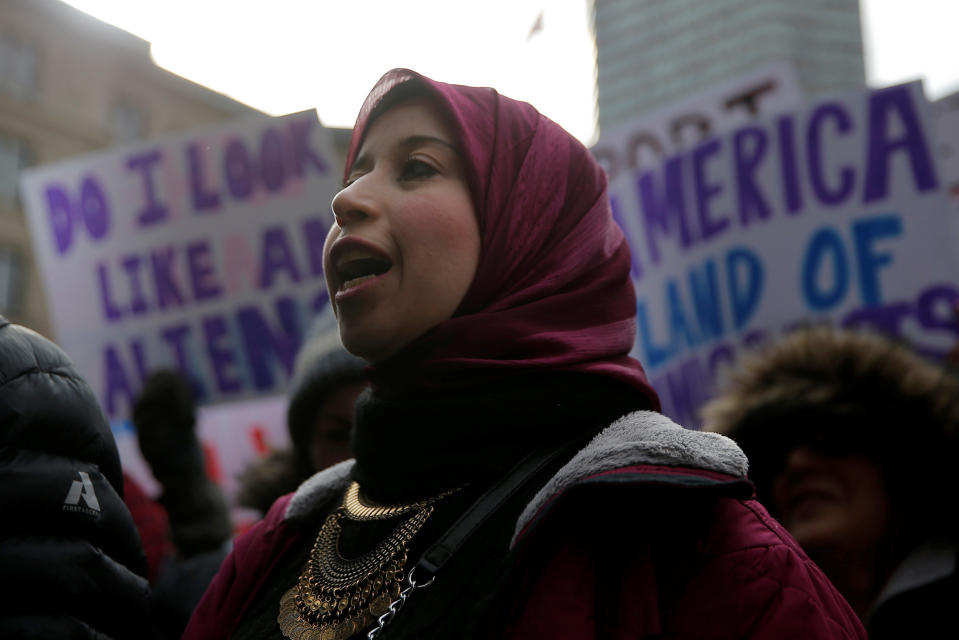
(674, 547)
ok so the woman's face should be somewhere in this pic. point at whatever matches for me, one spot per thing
(405, 243)
(831, 501)
(330, 439)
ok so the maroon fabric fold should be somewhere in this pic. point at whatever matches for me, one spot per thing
(552, 290)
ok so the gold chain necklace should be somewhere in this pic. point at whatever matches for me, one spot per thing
(335, 597)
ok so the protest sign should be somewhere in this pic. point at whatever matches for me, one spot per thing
(201, 252)
(645, 140)
(832, 212)
(946, 127)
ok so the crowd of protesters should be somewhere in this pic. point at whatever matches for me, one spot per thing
(474, 444)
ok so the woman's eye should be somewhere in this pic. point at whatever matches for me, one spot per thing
(414, 169)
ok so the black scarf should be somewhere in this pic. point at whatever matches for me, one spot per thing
(410, 445)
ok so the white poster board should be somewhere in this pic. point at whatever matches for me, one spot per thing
(645, 140)
(201, 252)
(833, 212)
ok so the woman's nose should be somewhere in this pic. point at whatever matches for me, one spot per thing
(352, 204)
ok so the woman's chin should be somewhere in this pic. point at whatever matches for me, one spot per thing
(366, 340)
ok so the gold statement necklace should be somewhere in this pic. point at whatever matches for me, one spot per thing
(334, 596)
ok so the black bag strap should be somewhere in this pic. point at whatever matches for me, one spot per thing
(473, 519)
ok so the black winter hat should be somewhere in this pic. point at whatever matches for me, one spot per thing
(322, 364)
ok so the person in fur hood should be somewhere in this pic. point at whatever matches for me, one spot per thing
(513, 477)
(327, 379)
(852, 442)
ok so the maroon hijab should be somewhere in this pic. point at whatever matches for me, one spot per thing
(552, 291)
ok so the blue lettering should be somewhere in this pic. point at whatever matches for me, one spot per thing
(865, 233)
(825, 243)
(745, 278)
(706, 299)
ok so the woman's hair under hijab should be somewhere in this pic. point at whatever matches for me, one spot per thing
(850, 392)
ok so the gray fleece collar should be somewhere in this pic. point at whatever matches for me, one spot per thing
(642, 437)
(318, 489)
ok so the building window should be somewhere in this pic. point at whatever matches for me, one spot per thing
(18, 67)
(126, 122)
(11, 279)
(15, 154)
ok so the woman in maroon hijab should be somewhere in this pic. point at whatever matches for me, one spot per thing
(513, 478)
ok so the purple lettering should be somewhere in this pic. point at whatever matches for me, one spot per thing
(167, 291)
(176, 337)
(276, 256)
(116, 380)
(154, 211)
(835, 112)
(788, 164)
(262, 345)
(131, 264)
(664, 210)
(203, 197)
(935, 311)
(299, 130)
(886, 319)
(110, 310)
(707, 191)
(222, 358)
(749, 144)
(314, 233)
(239, 170)
(272, 155)
(883, 105)
(93, 208)
(61, 217)
(202, 273)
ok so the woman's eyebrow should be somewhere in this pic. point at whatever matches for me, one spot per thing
(363, 161)
(416, 140)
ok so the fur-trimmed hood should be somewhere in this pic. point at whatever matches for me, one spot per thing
(639, 438)
(855, 376)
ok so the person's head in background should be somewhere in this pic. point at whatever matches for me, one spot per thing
(327, 380)
(850, 439)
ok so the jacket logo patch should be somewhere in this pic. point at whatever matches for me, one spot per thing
(82, 489)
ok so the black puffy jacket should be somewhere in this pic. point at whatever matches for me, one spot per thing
(71, 562)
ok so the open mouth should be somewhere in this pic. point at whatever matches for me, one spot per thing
(354, 270)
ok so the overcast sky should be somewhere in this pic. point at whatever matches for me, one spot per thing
(288, 55)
